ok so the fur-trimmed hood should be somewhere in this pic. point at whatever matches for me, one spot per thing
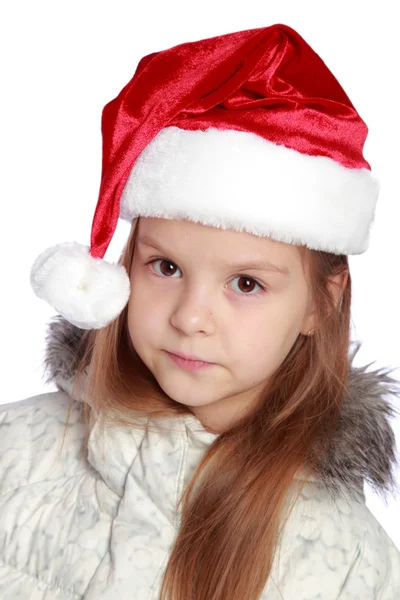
(364, 445)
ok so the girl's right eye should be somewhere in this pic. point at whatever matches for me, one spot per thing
(166, 272)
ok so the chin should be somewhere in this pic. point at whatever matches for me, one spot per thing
(186, 394)
(191, 400)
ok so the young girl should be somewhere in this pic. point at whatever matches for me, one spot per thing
(210, 436)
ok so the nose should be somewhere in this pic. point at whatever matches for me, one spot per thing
(193, 314)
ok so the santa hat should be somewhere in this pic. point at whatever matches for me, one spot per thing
(247, 131)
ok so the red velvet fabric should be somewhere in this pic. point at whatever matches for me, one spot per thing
(267, 81)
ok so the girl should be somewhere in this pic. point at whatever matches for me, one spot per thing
(210, 436)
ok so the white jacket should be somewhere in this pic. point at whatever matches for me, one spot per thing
(102, 528)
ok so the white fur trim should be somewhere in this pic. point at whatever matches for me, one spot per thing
(89, 292)
(238, 180)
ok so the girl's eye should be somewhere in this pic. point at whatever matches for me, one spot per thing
(168, 269)
(248, 284)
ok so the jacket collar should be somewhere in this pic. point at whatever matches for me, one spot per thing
(364, 445)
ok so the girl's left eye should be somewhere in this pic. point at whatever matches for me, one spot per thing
(249, 282)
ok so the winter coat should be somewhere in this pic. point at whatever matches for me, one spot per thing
(101, 526)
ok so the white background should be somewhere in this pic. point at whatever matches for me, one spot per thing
(63, 61)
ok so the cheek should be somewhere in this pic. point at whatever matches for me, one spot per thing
(258, 359)
(262, 344)
(257, 353)
(145, 315)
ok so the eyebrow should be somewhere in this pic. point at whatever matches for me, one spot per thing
(262, 265)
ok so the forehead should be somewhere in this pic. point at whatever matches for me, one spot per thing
(215, 243)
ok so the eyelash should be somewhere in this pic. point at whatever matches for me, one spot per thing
(262, 287)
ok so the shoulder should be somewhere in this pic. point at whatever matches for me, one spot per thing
(376, 568)
(50, 404)
(31, 432)
(336, 546)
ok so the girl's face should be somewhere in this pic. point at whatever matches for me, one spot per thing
(204, 292)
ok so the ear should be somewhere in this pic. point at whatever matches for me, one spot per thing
(335, 286)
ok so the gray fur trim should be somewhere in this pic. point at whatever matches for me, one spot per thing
(62, 347)
(364, 444)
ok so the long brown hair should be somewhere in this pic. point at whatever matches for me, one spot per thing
(233, 508)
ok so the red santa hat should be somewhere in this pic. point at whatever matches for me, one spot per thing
(247, 131)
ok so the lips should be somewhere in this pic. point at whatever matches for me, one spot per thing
(188, 356)
(189, 364)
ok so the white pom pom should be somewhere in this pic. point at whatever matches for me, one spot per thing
(89, 292)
